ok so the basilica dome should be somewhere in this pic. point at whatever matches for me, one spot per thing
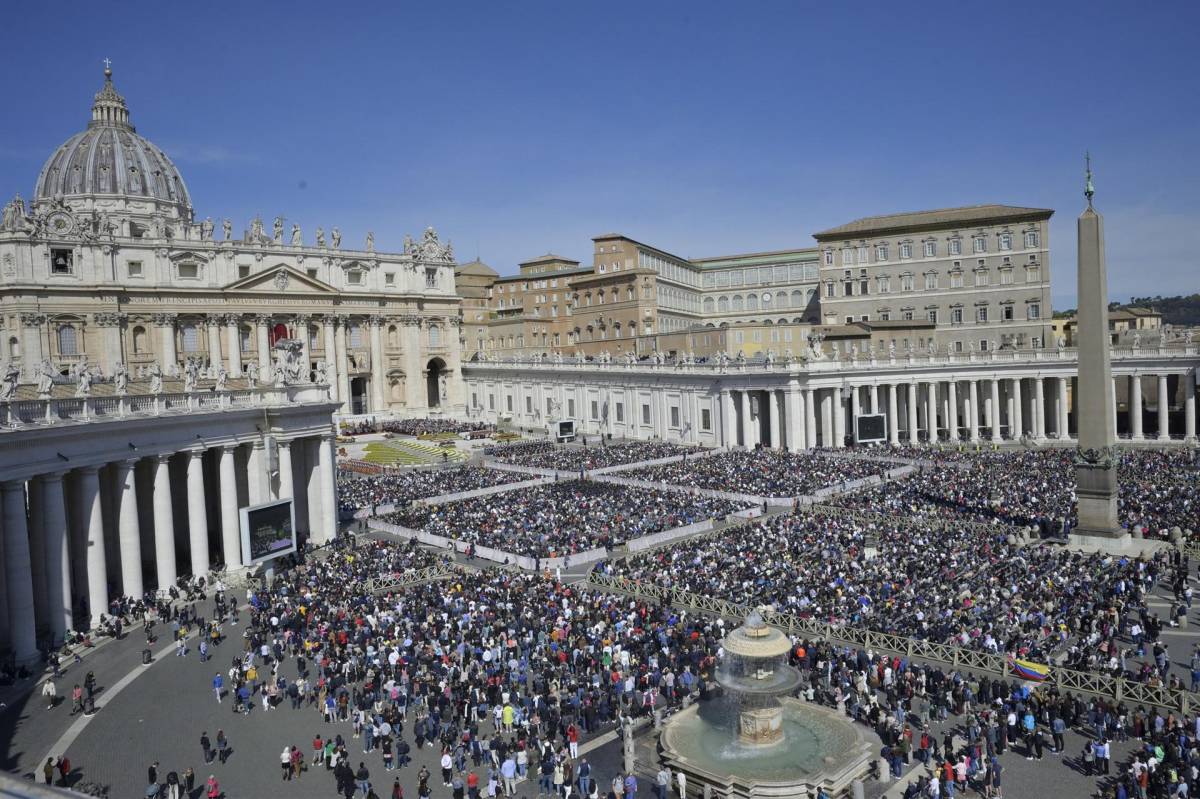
(110, 162)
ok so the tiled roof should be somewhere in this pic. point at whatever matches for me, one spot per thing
(943, 217)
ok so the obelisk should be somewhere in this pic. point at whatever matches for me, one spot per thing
(1096, 459)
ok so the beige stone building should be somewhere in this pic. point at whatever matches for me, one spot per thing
(981, 274)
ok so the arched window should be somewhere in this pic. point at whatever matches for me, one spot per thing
(736, 305)
(723, 305)
(190, 336)
(435, 336)
(751, 302)
(139, 340)
(797, 299)
(709, 305)
(14, 347)
(781, 298)
(245, 337)
(314, 341)
(68, 341)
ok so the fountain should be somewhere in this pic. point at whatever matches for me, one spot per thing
(758, 740)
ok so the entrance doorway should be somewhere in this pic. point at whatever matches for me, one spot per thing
(436, 378)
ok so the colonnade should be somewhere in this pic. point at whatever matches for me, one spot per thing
(76, 538)
(991, 409)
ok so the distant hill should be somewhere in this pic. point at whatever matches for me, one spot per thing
(1175, 310)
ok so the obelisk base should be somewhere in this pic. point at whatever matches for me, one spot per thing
(1096, 494)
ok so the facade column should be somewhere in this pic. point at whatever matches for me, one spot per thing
(826, 417)
(233, 343)
(37, 549)
(1189, 406)
(58, 555)
(129, 531)
(287, 488)
(262, 324)
(256, 471)
(213, 324)
(952, 410)
(994, 410)
(874, 398)
(329, 352)
(231, 534)
(329, 510)
(18, 574)
(810, 419)
(776, 418)
(893, 420)
(343, 364)
(1063, 426)
(164, 524)
(1135, 406)
(302, 321)
(912, 414)
(32, 350)
(728, 430)
(693, 415)
(1039, 409)
(166, 332)
(1114, 405)
(1018, 420)
(97, 566)
(197, 513)
(110, 327)
(973, 410)
(839, 418)
(1164, 409)
(748, 436)
(931, 425)
(855, 410)
(377, 395)
(794, 420)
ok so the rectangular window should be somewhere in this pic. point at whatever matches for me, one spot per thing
(907, 283)
(958, 346)
(956, 246)
(1033, 274)
(983, 345)
(981, 277)
(905, 250)
(1005, 241)
(829, 288)
(930, 282)
(881, 252)
(312, 273)
(620, 412)
(491, 402)
(906, 315)
(956, 280)
(930, 249)
(529, 405)
(885, 284)
(134, 268)
(389, 278)
(932, 316)
(646, 414)
(595, 410)
(863, 286)
(1006, 313)
(354, 278)
(431, 278)
(1006, 277)
(571, 408)
(978, 244)
(864, 255)
(674, 416)
(885, 316)
(62, 262)
(981, 314)
(508, 402)
(829, 257)
(1034, 311)
(705, 419)
(474, 400)
(847, 257)
(1031, 239)
(956, 316)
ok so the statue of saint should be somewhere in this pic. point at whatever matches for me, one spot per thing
(297, 240)
(320, 237)
(277, 230)
(120, 378)
(443, 386)
(252, 374)
(12, 376)
(227, 228)
(206, 229)
(156, 383)
(335, 237)
(222, 378)
(370, 241)
(83, 387)
(191, 373)
(256, 229)
(45, 379)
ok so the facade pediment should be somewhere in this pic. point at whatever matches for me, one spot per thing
(280, 279)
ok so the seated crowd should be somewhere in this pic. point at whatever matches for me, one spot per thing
(401, 488)
(562, 518)
(411, 427)
(762, 472)
(931, 581)
(548, 455)
(1159, 489)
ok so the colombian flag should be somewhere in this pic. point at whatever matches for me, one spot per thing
(1028, 670)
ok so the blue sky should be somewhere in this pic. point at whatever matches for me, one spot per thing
(517, 128)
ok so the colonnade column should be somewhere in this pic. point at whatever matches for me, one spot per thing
(330, 359)
(197, 513)
(377, 395)
(213, 325)
(58, 558)
(1017, 418)
(693, 414)
(233, 343)
(795, 421)
(287, 488)
(893, 415)
(1164, 409)
(129, 532)
(1114, 405)
(1135, 406)
(839, 418)
(931, 423)
(874, 398)
(776, 419)
(1189, 406)
(748, 436)
(231, 534)
(912, 413)
(342, 366)
(1039, 409)
(994, 410)
(826, 416)
(328, 490)
(262, 323)
(166, 331)
(810, 419)
(973, 410)
(164, 524)
(728, 431)
(97, 566)
(256, 474)
(952, 410)
(1064, 426)
(855, 409)
(18, 574)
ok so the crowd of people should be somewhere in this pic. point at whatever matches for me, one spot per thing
(411, 427)
(762, 472)
(1158, 489)
(564, 457)
(401, 487)
(562, 518)
(936, 582)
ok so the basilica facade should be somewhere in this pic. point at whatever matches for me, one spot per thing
(109, 270)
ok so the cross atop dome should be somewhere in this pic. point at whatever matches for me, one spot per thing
(108, 67)
(109, 107)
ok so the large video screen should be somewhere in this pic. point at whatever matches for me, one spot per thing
(268, 531)
(872, 428)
